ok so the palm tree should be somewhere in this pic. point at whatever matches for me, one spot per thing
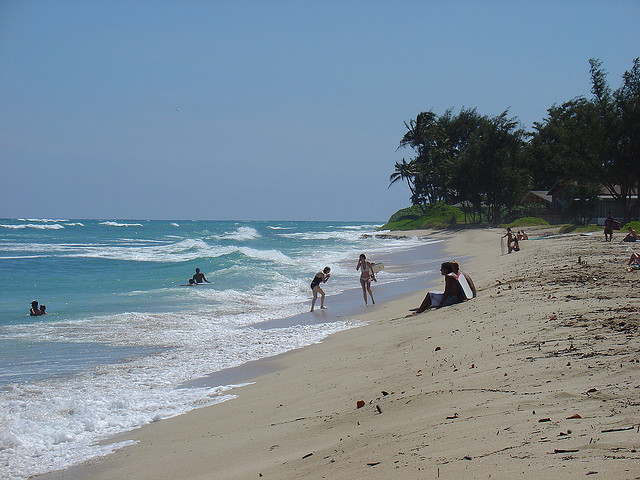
(404, 171)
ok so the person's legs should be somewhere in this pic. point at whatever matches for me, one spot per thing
(370, 293)
(426, 303)
(363, 284)
(315, 297)
(321, 298)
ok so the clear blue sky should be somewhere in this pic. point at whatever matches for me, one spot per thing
(267, 110)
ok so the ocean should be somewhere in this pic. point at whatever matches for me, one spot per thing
(124, 343)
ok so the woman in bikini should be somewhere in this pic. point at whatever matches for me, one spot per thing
(321, 277)
(366, 275)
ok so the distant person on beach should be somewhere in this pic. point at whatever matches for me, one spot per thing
(366, 275)
(632, 236)
(512, 241)
(35, 311)
(452, 291)
(520, 235)
(608, 227)
(634, 261)
(321, 277)
(456, 270)
(199, 277)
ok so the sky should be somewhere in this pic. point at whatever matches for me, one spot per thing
(268, 110)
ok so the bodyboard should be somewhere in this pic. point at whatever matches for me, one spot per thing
(466, 289)
(376, 267)
(502, 246)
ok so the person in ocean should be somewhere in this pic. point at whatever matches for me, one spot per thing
(43, 310)
(321, 277)
(35, 311)
(366, 275)
(452, 291)
(199, 277)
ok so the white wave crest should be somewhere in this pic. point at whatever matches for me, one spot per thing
(44, 220)
(55, 226)
(241, 234)
(116, 224)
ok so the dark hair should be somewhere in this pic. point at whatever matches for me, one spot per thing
(326, 270)
(34, 303)
(362, 255)
(447, 266)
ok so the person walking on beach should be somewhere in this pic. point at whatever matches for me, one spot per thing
(366, 275)
(321, 277)
(608, 227)
(199, 277)
(35, 311)
(512, 241)
(452, 292)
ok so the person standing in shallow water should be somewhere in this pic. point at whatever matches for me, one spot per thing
(366, 275)
(321, 277)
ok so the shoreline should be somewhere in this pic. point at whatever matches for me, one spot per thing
(448, 393)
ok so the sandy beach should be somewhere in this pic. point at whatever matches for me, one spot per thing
(539, 376)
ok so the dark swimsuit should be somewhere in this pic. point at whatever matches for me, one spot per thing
(316, 281)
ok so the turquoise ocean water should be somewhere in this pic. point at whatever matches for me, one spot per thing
(123, 337)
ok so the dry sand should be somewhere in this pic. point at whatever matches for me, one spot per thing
(538, 377)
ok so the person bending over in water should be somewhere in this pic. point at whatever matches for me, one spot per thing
(452, 291)
(366, 275)
(35, 311)
(199, 277)
(321, 277)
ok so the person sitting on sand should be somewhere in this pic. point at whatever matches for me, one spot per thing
(35, 311)
(199, 277)
(366, 275)
(452, 291)
(520, 235)
(634, 261)
(632, 236)
(321, 277)
(456, 270)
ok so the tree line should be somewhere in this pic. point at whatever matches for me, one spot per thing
(489, 163)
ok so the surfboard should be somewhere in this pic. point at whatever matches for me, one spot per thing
(376, 267)
(466, 289)
(503, 250)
